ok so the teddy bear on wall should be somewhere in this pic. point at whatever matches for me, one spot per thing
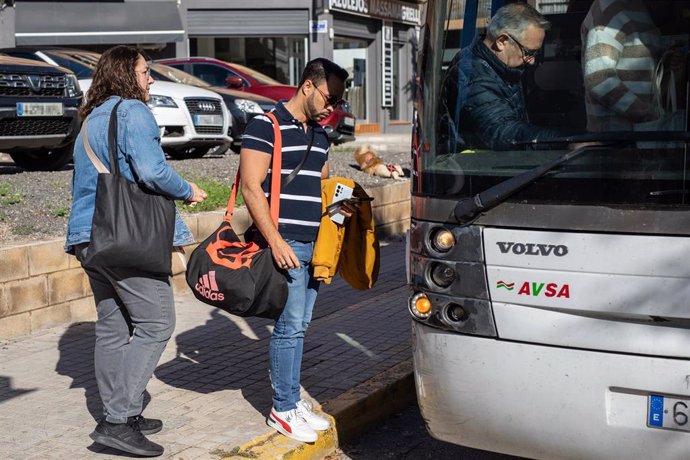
(371, 163)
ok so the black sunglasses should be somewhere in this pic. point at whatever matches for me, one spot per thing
(527, 53)
(333, 101)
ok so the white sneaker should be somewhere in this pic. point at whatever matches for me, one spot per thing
(292, 425)
(315, 421)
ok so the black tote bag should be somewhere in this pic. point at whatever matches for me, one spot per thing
(132, 227)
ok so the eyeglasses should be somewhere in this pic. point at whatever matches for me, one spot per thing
(333, 101)
(146, 71)
(527, 53)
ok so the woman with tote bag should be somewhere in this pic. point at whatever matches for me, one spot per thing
(122, 228)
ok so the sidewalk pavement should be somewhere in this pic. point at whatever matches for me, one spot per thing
(211, 386)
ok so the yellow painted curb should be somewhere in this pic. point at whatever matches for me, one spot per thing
(351, 413)
(276, 446)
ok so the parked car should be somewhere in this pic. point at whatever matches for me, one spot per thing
(192, 120)
(39, 113)
(340, 125)
(242, 106)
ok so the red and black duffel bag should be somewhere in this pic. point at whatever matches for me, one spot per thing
(241, 278)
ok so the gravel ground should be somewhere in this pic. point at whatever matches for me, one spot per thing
(36, 205)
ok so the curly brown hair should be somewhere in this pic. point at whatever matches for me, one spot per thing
(114, 76)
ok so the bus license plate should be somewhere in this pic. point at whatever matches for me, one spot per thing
(39, 109)
(349, 121)
(208, 120)
(668, 413)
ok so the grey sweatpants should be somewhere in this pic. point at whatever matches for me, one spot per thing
(136, 318)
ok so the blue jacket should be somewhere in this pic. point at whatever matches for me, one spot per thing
(493, 112)
(138, 140)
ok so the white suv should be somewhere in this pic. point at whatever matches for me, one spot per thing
(192, 120)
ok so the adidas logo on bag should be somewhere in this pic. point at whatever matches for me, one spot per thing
(208, 288)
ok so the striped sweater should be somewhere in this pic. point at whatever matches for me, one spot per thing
(621, 45)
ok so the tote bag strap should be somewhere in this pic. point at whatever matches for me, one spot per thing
(97, 163)
(276, 165)
(112, 144)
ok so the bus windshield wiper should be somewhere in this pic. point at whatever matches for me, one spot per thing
(466, 209)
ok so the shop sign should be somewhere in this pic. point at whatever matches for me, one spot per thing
(392, 10)
(318, 27)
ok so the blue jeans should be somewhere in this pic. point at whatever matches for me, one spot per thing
(287, 341)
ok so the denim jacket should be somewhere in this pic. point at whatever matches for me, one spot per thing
(138, 141)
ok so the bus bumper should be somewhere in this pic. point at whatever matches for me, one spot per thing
(544, 402)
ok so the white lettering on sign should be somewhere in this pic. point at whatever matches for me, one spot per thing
(357, 6)
(393, 10)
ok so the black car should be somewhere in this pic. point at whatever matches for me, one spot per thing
(39, 117)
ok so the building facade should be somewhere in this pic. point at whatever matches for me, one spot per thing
(375, 40)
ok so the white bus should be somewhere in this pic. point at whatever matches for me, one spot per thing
(550, 274)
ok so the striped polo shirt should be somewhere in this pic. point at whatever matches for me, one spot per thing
(300, 201)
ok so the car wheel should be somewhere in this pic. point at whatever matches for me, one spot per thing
(186, 154)
(43, 160)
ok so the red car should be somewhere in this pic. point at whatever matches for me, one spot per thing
(340, 125)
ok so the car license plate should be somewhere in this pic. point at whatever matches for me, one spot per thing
(208, 120)
(39, 109)
(349, 121)
(668, 413)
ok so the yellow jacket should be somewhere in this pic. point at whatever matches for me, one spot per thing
(352, 249)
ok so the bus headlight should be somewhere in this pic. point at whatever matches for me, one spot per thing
(420, 305)
(455, 313)
(441, 274)
(442, 240)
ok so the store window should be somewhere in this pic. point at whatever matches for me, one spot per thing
(351, 54)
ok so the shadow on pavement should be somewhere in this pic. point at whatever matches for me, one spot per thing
(225, 353)
(7, 392)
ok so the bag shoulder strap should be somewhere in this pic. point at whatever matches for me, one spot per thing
(276, 165)
(112, 144)
(295, 171)
(97, 163)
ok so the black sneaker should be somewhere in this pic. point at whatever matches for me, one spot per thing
(125, 437)
(147, 426)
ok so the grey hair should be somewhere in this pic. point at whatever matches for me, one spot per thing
(514, 19)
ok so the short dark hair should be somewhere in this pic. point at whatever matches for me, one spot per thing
(320, 69)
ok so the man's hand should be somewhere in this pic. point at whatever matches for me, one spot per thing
(283, 254)
(198, 195)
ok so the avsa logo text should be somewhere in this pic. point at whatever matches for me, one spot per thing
(534, 289)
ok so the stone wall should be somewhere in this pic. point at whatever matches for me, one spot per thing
(42, 287)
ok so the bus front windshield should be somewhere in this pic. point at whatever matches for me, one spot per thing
(501, 96)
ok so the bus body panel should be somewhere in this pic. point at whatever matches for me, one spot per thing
(573, 289)
(539, 401)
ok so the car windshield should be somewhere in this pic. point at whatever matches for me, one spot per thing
(82, 66)
(258, 76)
(167, 73)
